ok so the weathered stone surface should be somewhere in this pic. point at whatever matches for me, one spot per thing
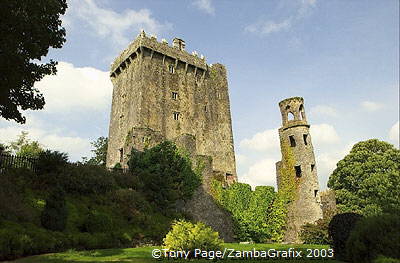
(328, 202)
(306, 208)
(161, 92)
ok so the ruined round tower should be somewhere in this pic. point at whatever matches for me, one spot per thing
(295, 141)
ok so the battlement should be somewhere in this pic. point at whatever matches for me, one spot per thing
(293, 114)
(175, 52)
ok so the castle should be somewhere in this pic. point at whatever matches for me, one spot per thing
(162, 92)
(294, 133)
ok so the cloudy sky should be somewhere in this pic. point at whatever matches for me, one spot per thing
(341, 56)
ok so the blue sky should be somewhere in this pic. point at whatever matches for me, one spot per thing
(341, 56)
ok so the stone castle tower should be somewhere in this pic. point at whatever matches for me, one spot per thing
(295, 133)
(162, 92)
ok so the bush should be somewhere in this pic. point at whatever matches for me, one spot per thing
(22, 240)
(55, 213)
(51, 161)
(374, 236)
(188, 236)
(98, 222)
(85, 179)
(339, 230)
(315, 233)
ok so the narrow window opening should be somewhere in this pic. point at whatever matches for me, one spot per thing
(305, 138)
(290, 116)
(312, 167)
(176, 116)
(302, 113)
(315, 193)
(121, 155)
(171, 69)
(298, 170)
(174, 95)
(205, 108)
(292, 141)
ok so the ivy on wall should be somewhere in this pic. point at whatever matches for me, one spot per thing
(260, 215)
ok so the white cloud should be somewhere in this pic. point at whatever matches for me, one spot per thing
(394, 134)
(264, 28)
(261, 173)
(267, 27)
(323, 110)
(326, 162)
(240, 159)
(371, 106)
(109, 24)
(205, 6)
(264, 141)
(322, 134)
(76, 89)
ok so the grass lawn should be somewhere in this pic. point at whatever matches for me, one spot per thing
(143, 254)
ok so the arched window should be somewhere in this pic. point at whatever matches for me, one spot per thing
(290, 116)
(302, 113)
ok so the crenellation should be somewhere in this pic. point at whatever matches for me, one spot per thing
(177, 51)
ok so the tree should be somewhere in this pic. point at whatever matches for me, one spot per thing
(24, 147)
(100, 152)
(28, 29)
(166, 176)
(367, 180)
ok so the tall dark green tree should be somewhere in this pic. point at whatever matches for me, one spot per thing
(166, 176)
(367, 180)
(27, 30)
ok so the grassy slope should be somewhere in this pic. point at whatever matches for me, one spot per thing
(143, 255)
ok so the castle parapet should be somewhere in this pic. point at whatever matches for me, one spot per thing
(176, 52)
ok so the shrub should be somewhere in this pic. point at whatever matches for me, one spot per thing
(51, 161)
(188, 236)
(55, 213)
(374, 236)
(98, 222)
(317, 233)
(339, 230)
(85, 179)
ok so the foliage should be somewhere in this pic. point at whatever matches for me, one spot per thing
(29, 29)
(249, 209)
(166, 176)
(4, 149)
(316, 233)
(100, 152)
(188, 236)
(24, 147)
(55, 213)
(374, 236)
(339, 230)
(87, 179)
(51, 162)
(367, 180)
(97, 221)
